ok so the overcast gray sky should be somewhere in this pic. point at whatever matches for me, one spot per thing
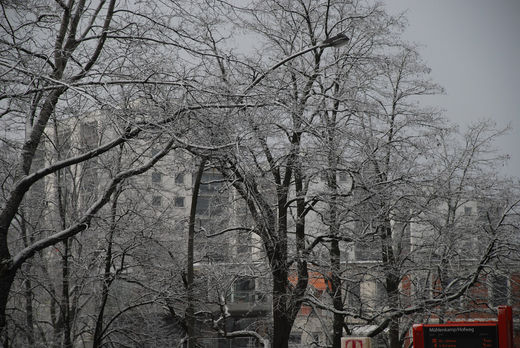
(473, 48)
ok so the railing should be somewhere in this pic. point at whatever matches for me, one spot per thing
(238, 342)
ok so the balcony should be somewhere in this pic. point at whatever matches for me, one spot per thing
(249, 303)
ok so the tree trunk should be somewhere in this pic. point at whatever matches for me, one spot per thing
(393, 334)
(335, 255)
(282, 323)
(65, 299)
(333, 157)
(6, 281)
(336, 293)
(107, 277)
(98, 331)
(392, 284)
(29, 315)
(392, 281)
(190, 310)
(27, 283)
(281, 329)
(285, 304)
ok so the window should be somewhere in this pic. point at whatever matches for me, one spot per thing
(156, 177)
(244, 290)
(499, 290)
(368, 247)
(243, 243)
(421, 287)
(446, 284)
(218, 251)
(315, 338)
(467, 211)
(449, 284)
(154, 151)
(315, 292)
(381, 293)
(179, 178)
(89, 135)
(369, 250)
(208, 205)
(202, 205)
(211, 182)
(179, 202)
(353, 291)
(342, 177)
(156, 201)
(89, 180)
(295, 339)
(64, 142)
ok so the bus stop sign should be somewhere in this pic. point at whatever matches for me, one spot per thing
(476, 334)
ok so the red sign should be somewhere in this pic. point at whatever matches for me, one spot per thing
(484, 334)
(355, 342)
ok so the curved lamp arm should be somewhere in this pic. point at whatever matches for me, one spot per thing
(336, 41)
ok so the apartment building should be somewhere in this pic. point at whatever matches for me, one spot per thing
(233, 281)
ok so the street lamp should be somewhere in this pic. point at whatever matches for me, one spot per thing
(335, 41)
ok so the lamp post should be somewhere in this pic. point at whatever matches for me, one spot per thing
(335, 41)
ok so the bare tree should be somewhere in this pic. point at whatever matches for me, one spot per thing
(344, 89)
(63, 59)
(269, 169)
(167, 74)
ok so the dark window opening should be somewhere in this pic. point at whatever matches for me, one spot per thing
(179, 178)
(342, 177)
(499, 290)
(156, 177)
(156, 201)
(295, 339)
(179, 202)
(244, 290)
